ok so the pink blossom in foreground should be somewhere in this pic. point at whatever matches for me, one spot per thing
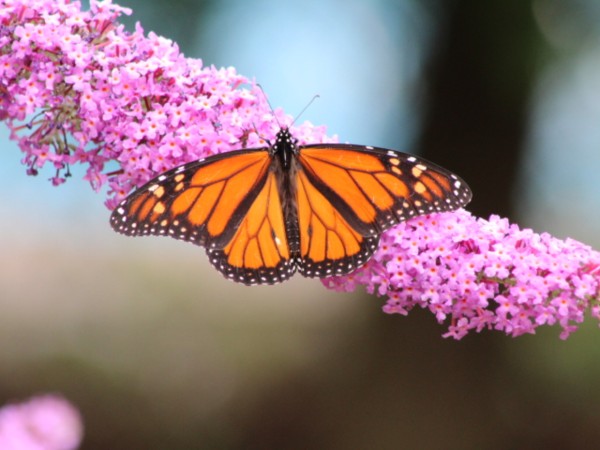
(47, 422)
(481, 274)
(76, 88)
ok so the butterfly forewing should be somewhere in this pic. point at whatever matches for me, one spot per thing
(375, 188)
(201, 202)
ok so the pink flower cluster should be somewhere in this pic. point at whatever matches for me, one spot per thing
(481, 274)
(48, 422)
(76, 88)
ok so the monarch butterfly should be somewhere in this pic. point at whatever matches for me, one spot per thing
(264, 213)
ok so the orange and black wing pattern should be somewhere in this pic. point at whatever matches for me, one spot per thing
(259, 252)
(347, 195)
(328, 243)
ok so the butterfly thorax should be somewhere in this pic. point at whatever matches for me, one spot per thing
(284, 148)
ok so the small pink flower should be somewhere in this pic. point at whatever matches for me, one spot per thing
(48, 422)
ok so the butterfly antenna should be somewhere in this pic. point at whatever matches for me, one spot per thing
(305, 108)
(268, 103)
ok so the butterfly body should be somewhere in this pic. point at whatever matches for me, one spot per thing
(263, 214)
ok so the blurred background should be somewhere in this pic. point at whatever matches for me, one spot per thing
(159, 351)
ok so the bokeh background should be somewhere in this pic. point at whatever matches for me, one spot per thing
(159, 351)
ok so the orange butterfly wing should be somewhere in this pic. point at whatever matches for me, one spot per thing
(347, 195)
(202, 202)
(259, 252)
(329, 245)
(228, 203)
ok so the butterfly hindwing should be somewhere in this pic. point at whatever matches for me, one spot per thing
(200, 202)
(329, 245)
(259, 251)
